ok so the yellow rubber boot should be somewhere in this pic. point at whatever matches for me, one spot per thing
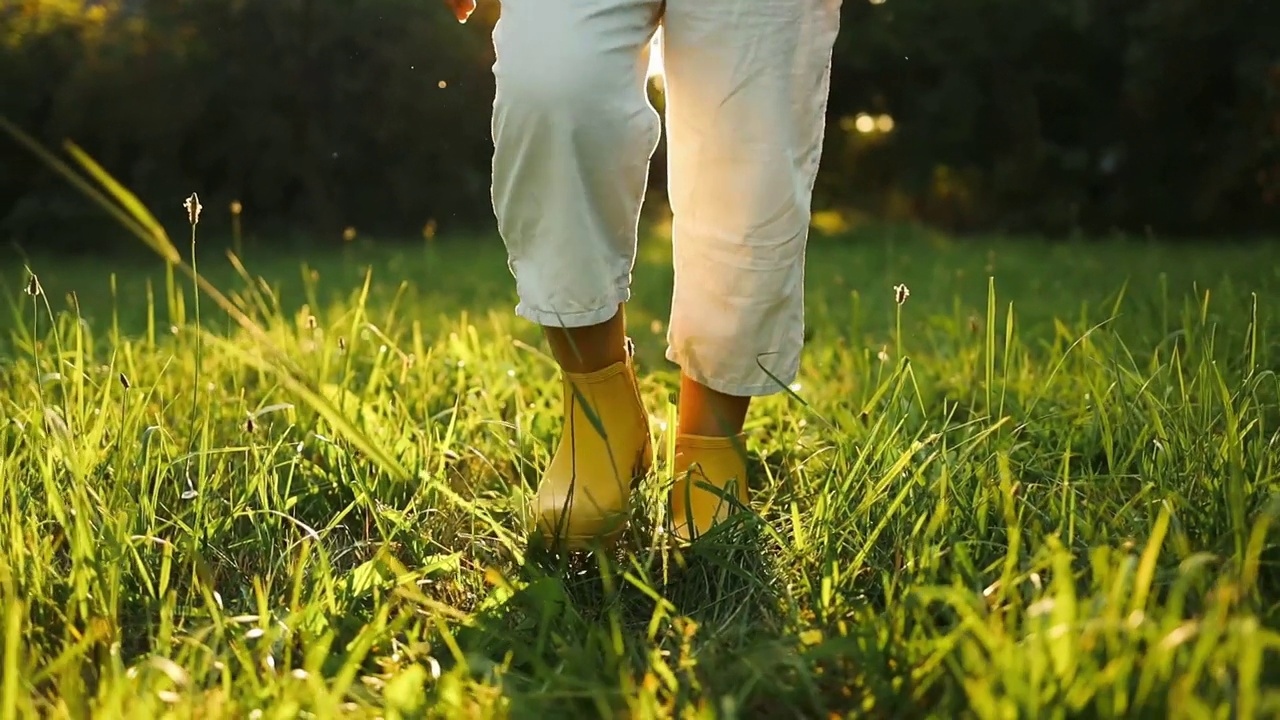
(604, 449)
(720, 462)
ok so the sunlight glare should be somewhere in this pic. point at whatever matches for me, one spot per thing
(655, 55)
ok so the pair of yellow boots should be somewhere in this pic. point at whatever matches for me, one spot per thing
(605, 448)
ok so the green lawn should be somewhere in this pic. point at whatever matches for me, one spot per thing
(1042, 487)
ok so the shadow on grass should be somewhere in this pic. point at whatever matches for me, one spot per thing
(583, 633)
(640, 631)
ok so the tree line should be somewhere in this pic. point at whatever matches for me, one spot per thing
(1053, 116)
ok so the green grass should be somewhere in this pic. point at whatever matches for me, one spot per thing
(1042, 487)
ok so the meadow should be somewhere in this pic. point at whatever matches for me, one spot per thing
(1044, 485)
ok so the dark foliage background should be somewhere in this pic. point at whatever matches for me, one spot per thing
(1052, 116)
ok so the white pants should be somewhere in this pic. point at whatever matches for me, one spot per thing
(573, 130)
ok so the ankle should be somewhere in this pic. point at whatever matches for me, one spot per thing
(710, 414)
(592, 361)
(707, 429)
(591, 348)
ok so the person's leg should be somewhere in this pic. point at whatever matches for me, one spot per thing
(573, 134)
(704, 411)
(590, 348)
(746, 111)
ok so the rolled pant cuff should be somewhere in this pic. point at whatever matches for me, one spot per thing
(785, 379)
(575, 319)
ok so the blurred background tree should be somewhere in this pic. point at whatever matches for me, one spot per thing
(1052, 116)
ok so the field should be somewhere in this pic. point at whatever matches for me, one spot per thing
(1043, 486)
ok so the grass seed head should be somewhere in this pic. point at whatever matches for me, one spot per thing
(192, 204)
